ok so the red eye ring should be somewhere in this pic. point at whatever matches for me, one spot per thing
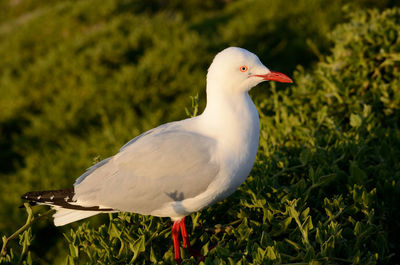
(243, 68)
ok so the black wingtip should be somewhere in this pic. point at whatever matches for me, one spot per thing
(49, 195)
(25, 196)
(62, 198)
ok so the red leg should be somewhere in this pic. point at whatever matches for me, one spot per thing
(186, 243)
(185, 236)
(175, 237)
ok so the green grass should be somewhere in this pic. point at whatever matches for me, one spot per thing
(325, 186)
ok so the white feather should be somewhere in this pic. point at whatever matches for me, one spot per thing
(65, 216)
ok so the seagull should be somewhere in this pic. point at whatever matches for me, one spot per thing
(180, 167)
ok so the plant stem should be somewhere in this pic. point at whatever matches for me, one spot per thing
(29, 221)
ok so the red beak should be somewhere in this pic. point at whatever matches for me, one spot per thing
(276, 76)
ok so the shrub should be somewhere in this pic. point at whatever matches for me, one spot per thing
(326, 180)
(325, 183)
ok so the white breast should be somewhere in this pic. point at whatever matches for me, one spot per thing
(235, 126)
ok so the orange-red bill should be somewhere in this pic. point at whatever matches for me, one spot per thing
(276, 76)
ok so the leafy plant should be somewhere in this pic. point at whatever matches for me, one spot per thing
(325, 186)
(25, 240)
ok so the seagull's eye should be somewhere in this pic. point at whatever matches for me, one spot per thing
(243, 68)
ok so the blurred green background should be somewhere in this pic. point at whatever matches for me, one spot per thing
(78, 79)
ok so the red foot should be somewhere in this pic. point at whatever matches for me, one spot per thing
(175, 237)
(185, 237)
(180, 225)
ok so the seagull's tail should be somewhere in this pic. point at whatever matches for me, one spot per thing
(67, 210)
(65, 216)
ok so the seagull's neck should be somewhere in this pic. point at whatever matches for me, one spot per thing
(220, 102)
(231, 115)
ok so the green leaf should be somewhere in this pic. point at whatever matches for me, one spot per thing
(305, 156)
(357, 173)
(137, 247)
(73, 251)
(153, 258)
(271, 253)
(114, 231)
(355, 120)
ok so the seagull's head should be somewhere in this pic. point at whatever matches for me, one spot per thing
(239, 70)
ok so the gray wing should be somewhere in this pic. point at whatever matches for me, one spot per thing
(91, 169)
(164, 165)
(158, 129)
